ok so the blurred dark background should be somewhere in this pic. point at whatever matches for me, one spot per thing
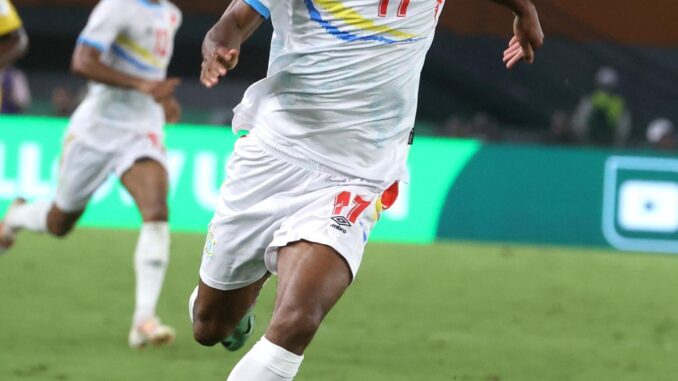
(597, 55)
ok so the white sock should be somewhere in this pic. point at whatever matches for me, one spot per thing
(31, 217)
(151, 258)
(191, 302)
(266, 362)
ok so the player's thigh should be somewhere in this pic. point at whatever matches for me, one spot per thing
(310, 274)
(253, 202)
(147, 182)
(311, 279)
(82, 170)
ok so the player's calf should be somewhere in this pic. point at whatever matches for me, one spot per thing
(39, 217)
(294, 328)
(311, 278)
(60, 223)
(147, 182)
(154, 211)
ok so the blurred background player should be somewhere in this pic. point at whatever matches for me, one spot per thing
(14, 92)
(13, 39)
(330, 130)
(124, 51)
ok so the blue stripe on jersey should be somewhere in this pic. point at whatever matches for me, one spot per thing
(120, 52)
(150, 4)
(259, 7)
(96, 45)
(347, 36)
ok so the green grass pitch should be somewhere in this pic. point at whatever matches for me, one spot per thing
(452, 311)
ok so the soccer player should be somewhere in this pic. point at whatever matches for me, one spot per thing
(13, 39)
(330, 128)
(124, 51)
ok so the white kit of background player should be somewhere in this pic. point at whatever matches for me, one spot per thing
(124, 51)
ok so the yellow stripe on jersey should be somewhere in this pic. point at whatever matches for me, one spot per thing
(351, 17)
(9, 18)
(141, 52)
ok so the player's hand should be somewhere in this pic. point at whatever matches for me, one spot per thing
(217, 62)
(527, 38)
(159, 90)
(221, 46)
(172, 110)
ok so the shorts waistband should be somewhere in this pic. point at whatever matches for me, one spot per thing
(279, 153)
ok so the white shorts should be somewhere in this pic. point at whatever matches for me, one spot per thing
(270, 200)
(84, 168)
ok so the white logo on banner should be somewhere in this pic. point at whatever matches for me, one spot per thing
(650, 206)
(640, 211)
(29, 181)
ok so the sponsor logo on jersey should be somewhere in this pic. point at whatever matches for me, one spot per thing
(337, 227)
(341, 220)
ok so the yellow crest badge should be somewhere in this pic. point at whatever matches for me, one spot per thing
(210, 243)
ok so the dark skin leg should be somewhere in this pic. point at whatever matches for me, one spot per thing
(311, 279)
(147, 182)
(216, 313)
(59, 222)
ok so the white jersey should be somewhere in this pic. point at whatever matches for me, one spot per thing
(135, 37)
(342, 82)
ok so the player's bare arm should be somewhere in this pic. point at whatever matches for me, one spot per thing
(87, 63)
(172, 110)
(12, 47)
(221, 47)
(528, 35)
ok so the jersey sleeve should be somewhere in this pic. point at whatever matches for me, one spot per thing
(9, 19)
(104, 25)
(263, 7)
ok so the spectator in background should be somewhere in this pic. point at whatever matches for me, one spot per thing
(480, 126)
(65, 101)
(483, 127)
(661, 135)
(561, 131)
(454, 126)
(15, 95)
(602, 117)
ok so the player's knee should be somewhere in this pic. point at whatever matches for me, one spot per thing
(155, 212)
(209, 333)
(209, 328)
(204, 335)
(59, 229)
(296, 328)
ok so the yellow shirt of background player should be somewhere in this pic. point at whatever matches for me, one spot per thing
(9, 19)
